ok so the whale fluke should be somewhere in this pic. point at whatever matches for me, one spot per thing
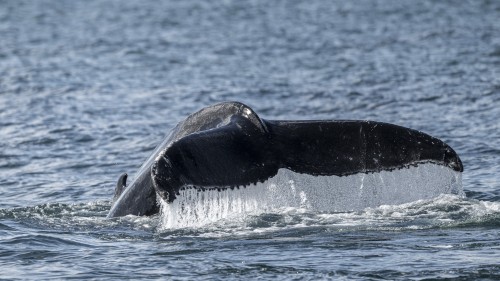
(228, 145)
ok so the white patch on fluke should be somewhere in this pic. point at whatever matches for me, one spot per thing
(327, 194)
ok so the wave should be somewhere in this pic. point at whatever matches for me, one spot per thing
(443, 211)
(417, 198)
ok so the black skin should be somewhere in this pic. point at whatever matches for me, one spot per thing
(228, 145)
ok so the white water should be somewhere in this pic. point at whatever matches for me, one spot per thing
(328, 194)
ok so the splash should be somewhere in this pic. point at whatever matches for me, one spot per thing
(325, 194)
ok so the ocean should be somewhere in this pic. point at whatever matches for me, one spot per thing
(89, 88)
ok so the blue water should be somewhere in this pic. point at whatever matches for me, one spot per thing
(88, 88)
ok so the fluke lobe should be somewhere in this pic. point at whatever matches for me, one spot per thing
(228, 145)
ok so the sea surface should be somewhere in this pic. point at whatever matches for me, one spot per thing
(89, 88)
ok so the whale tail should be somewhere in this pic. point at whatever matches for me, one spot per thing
(237, 154)
(228, 145)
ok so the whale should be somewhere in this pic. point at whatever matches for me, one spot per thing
(228, 145)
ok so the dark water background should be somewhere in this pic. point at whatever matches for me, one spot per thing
(88, 88)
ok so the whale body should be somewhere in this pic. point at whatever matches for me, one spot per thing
(228, 145)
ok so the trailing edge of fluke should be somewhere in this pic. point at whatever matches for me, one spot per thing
(228, 145)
